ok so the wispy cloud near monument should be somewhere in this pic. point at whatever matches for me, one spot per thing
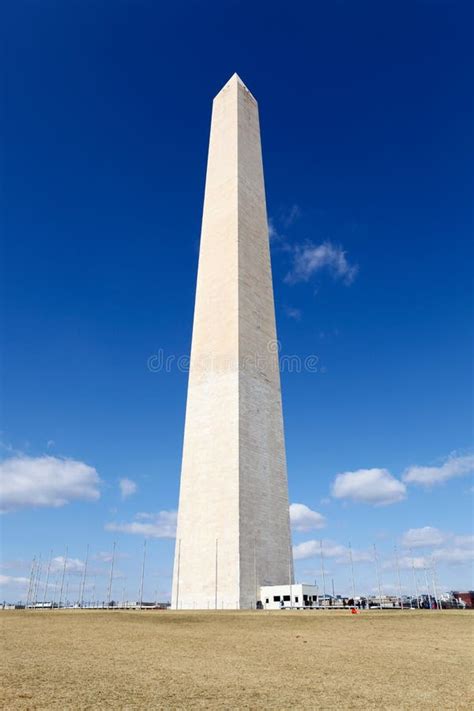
(310, 259)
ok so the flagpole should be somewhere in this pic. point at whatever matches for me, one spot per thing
(143, 574)
(81, 599)
(414, 580)
(37, 580)
(30, 585)
(352, 572)
(47, 578)
(323, 575)
(109, 593)
(435, 585)
(398, 575)
(290, 576)
(62, 580)
(378, 576)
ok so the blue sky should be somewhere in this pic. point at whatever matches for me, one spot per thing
(366, 115)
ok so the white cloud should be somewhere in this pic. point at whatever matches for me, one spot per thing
(106, 556)
(453, 467)
(159, 525)
(103, 556)
(464, 540)
(307, 549)
(10, 580)
(370, 486)
(18, 584)
(127, 487)
(288, 217)
(293, 313)
(407, 562)
(272, 231)
(334, 550)
(446, 547)
(331, 549)
(454, 556)
(73, 565)
(310, 258)
(361, 556)
(422, 537)
(285, 218)
(14, 564)
(305, 519)
(45, 481)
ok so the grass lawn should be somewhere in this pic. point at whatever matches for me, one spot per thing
(81, 659)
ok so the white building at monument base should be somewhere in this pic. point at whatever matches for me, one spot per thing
(277, 597)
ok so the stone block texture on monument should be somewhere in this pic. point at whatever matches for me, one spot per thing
(233, 531)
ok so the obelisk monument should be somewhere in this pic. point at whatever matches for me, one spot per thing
(233, 531)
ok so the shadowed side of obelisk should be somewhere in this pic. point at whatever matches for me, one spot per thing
(265, 546)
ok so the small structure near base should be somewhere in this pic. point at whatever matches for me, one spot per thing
(298, 595)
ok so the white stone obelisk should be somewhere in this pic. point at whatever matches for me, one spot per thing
(233, 531)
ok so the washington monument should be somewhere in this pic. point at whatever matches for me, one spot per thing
(233, 530)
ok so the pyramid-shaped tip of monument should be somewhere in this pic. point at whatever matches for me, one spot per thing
(235, 77)
(233, 81)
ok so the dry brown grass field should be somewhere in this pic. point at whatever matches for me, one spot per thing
(236, 660)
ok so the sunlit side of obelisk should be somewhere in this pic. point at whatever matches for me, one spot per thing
(233, 531)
